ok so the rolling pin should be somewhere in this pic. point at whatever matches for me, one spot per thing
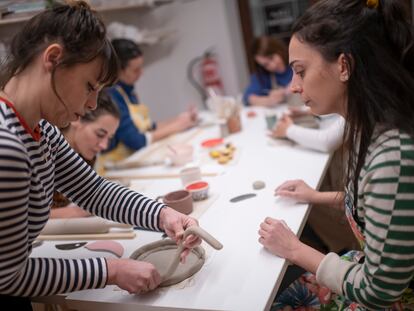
(84, 225)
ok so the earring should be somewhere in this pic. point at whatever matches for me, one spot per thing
(344, 78)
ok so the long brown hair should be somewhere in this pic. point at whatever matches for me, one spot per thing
(77, 28)
(378, 46)
(267, 46)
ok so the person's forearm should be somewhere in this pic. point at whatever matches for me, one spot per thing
(70, 211)
(332, 198)
(306, 257)
(167, 122)
(163, 130)
(255, 100)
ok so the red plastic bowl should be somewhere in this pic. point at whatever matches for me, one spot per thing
(210, 143)
(198, 190)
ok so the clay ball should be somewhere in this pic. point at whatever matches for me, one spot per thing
(258, 184)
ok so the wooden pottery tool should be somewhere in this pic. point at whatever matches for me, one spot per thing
(70, 246)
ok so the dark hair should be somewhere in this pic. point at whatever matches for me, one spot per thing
(267, 46)
(104, 106)
(77, 28)
(378, 46)
(126, 50)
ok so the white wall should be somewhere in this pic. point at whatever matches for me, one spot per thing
(198, 25)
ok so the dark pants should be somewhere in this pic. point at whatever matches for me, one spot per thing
(17, 303)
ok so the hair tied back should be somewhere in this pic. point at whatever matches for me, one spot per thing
(372, 4)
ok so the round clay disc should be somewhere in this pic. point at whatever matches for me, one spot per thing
(162, 253)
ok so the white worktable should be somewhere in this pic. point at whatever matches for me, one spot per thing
(243, 275)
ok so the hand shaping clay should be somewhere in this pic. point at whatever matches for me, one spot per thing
(165, 256)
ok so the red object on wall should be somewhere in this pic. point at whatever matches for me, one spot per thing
(210, 74)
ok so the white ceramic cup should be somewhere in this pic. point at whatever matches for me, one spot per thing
(180, 154)
(189, 175)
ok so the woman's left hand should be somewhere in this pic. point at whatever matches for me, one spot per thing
(277, 237)
(174, 224)
(281, 127)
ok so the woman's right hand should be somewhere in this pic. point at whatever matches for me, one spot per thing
(297, 190)
(134, 276)
(281, 127)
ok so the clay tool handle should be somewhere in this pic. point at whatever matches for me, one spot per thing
(204, 235)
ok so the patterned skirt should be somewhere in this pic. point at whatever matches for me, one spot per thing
(306, 294)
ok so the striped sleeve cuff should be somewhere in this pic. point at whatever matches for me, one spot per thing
(331, 272)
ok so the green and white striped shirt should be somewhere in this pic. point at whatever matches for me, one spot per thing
(386, 209)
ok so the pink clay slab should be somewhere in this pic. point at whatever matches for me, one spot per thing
(107, 246)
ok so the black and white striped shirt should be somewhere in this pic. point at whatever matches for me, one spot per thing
(30, 171)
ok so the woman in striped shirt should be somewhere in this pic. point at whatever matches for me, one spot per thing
(58, 63)
(355, 58)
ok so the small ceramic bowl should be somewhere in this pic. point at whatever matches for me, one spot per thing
(180, 200)
(198, 190)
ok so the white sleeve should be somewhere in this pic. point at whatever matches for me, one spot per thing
(148, 136)
(326, 140)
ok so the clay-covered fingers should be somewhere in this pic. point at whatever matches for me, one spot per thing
(191, 241)
(149, 279)
(174, 224)
(134, 276)
(184, 255)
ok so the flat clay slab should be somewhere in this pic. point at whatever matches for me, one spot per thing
(162, 253)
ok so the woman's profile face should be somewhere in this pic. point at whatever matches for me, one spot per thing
(78, 88)
(317, 81)
(132, 72)
(273, 63)
(91, 138)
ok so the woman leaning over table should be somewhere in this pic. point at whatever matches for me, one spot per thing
(355, 58)
(88, 136)
(58, 63)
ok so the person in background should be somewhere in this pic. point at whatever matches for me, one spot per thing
(88, 136)
(327, 139)
(58, 63)
(268, 86)
(136, 129)
(355, 58)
